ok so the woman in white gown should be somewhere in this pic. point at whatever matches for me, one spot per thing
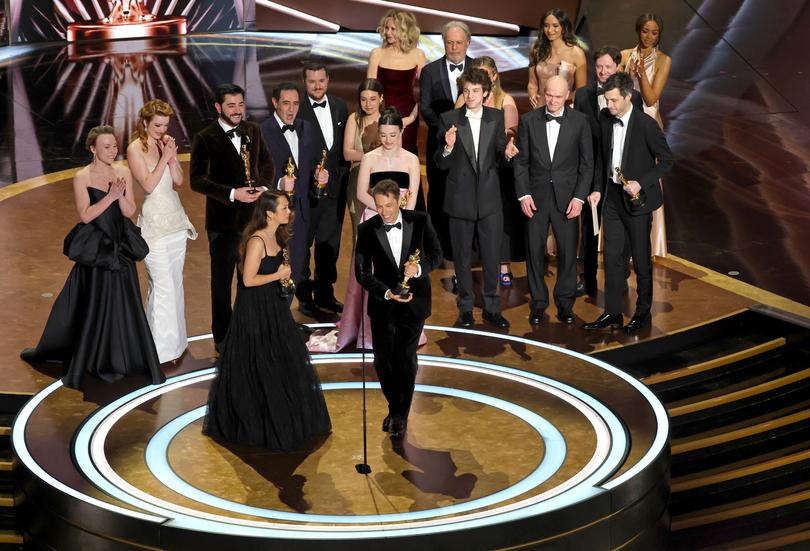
(152, 158)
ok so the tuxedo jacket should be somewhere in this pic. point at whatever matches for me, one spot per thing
(435, 94)
(216, 169)
(586, 101)
(569, 174)
(473, 188)
(645, 158)
(378, 271)
(308, 138)
(334, 164)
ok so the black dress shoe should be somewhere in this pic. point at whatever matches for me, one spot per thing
(612, 321)
(398, 428)
(580, 291)
(308, 308)
(28, 355)
(465, 319)
(565, 316)
(332, 304)
(536, 317)
(454, 284)
(386, 423)
(305, 330)
(637, 322)
(496, 319)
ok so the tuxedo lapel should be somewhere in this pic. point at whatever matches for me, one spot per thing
(564, 135)
(222, 140)
(445, 76)
(466, 137)
(542, 143)
(631, 124)
(386, 246)
(593, 100)
(485, 137)
(407, 236)
(335, 121)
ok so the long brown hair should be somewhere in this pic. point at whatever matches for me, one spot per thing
(367, 85)
(267, 201)
(150, 109)
(541, 49)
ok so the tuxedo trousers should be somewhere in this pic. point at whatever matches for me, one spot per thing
(396, 338)
(566, 232)
(619, 227)
(490, 233)
(223, 249)
(325, 225)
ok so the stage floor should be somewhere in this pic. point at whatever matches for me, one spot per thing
(516, 437)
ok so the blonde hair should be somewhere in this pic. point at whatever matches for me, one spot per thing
(497, 93)
(407, 28)
(145, 115)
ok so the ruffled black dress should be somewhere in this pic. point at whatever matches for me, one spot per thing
(266, 392)
(97, 323)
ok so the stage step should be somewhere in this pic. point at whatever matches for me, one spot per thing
(738, 394)
(10, 404)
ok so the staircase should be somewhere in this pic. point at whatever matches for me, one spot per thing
(738, 395)
(10, 404)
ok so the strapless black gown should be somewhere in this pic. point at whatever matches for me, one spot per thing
(266, 392)
(97, 323)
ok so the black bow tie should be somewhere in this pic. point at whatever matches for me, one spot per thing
(389, 227)
(231, 133)
(287, 128)
(550, 117)
(316, 104)
(617, 120)
(600, 91)
(459, 67)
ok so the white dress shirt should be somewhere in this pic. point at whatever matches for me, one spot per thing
(600, 98)
(553, 132)
(324, 116)
(619, 134)
(475, 127)
(452, 76)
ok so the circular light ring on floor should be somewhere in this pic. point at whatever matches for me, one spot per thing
(157, 460)
(520, 509)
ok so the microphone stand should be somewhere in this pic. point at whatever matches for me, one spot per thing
(363, 468)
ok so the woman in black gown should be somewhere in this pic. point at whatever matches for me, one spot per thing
(97, 323)
(266, 392)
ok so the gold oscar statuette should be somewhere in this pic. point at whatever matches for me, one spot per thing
(286, 285)
(249, 181)
(636, 200)
(403, 199)
(289, 171)
(403, 289)
(320, 189)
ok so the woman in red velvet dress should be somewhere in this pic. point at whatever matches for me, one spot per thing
(397, 64)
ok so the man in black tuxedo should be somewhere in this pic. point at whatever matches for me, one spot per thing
(634, 142)
(553, 173)
(472, 200)
(591, 100)
(385, 244)
(218, 171)
(438, 93)
(288, 136)
(327, 113)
